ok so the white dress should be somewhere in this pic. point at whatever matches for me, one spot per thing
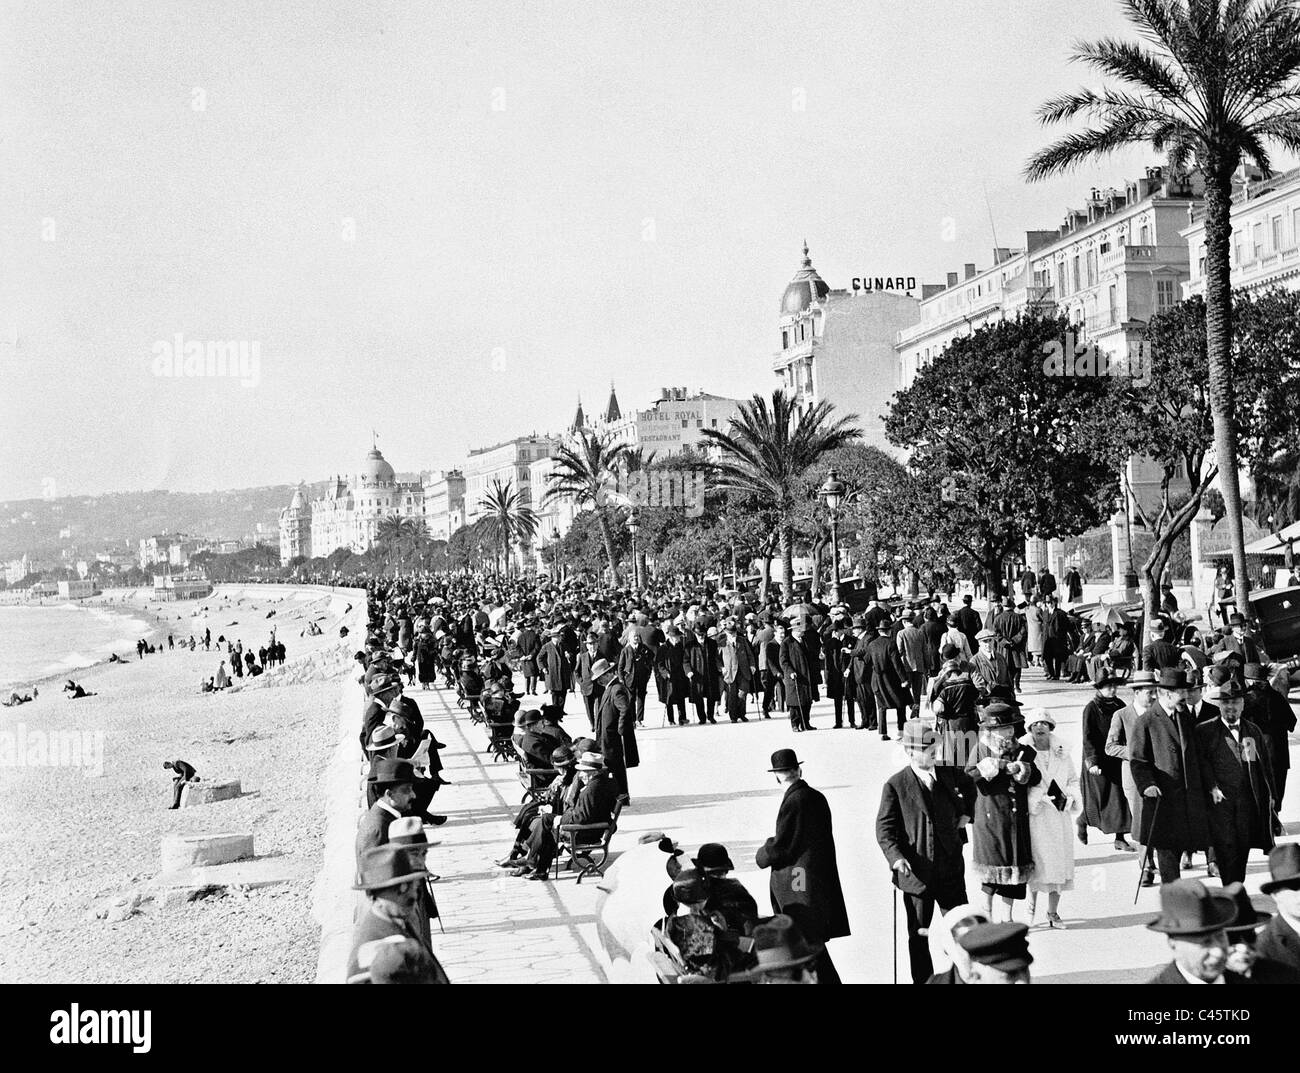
(1051, 830)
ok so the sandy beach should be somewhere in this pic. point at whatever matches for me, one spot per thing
(82, 827)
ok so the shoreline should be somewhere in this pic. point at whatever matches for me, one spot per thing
(58, 877)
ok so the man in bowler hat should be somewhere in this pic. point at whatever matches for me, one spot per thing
(1280, 939)
(920, 831)
(805, 882)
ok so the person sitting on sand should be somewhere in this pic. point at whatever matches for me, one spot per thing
(14, 700)
(205, 686)
(184, 773)
(74, 691)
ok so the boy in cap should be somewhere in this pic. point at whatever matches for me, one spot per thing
(998, 953)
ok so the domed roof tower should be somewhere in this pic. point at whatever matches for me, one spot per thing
(806, 287)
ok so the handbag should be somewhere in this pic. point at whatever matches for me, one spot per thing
(1057, 796)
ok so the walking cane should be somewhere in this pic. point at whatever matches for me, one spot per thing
(1148, 848)
(894, 935)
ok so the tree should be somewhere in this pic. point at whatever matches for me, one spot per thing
(1001, 446)
(583, 472)
(1213, 84)
(507, 519)
(768, 451)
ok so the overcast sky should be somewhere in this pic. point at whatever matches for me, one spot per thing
(445, 221)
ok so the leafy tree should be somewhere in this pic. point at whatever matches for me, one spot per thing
(1212, 83)
(768, 451)
(508, 520)
(583, 472)
(1001, 447)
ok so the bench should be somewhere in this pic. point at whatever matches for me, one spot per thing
(582, 842)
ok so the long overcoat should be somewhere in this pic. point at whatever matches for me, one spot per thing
(1163, 753)
(1104, 805)
(805, 881)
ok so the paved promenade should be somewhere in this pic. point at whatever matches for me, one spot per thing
(702, 784)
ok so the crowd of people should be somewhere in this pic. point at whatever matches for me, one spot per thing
(1192, 757)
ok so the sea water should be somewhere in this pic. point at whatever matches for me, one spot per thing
(58, 639)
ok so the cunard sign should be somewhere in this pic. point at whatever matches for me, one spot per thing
(867, 284)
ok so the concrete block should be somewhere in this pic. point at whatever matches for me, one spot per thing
(187, 851)
(204, 793)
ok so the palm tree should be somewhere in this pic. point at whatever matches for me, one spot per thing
(507, 519)
(766, 452)
(583, 472)
(1211, 82)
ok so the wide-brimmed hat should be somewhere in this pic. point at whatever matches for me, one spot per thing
(1142, 680)
(601, 667)
(1248, 917)
(1105, 676)
(999, 714)
(1283, 868)
(552, 713)
(917, 735)
(407, 831)
(391, 773)
(1172, 678)
(778, 945)
(387, 866)
(1189, 907)
(784, 760)
(1236, 619)
(384, 737)
(1229, 690)
(1254, 672)
(591, 762)
(381, 682)
(1002, 946)
(713, 855)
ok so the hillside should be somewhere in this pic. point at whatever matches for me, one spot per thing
(122, 518)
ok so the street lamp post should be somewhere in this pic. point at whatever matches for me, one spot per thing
(633, 525)
(555, 555)
(833, 492)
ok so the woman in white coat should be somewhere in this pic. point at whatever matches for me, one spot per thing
(1053, 805)
(1034, 633)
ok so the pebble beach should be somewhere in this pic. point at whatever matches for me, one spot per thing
(82, 821)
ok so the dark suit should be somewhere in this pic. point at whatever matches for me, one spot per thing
(919, 825)
(1280, 942)
(968, 621)
(1163, 753)
(1244, 818)
(372, 829)
(670, 663)
(616, 731)
(796, 674)
(1161, 654)
(1170, 975)
(805, 881)
(634, 667)
(1271, 712)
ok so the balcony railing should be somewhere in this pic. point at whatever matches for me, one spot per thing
(1128, 255)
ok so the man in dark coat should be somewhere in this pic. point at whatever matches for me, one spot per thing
(1280, 939)
(968, 621)
(837, 647)
(615, 725)
(393, 780)
(528, 646)
(635, 665)
(1235, 770)
(704, 673)
(769, 656)
(797, 678)
(919, 830)
(393, 883)
(1104, 805)
(670, 665)
(582, 678)
(1166, 769)
(1058, 640)
(888, 681)
(556, 670)
(805, 883)
(738, 670)
(595, 802)
(1160, 654)
(1272, 713)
